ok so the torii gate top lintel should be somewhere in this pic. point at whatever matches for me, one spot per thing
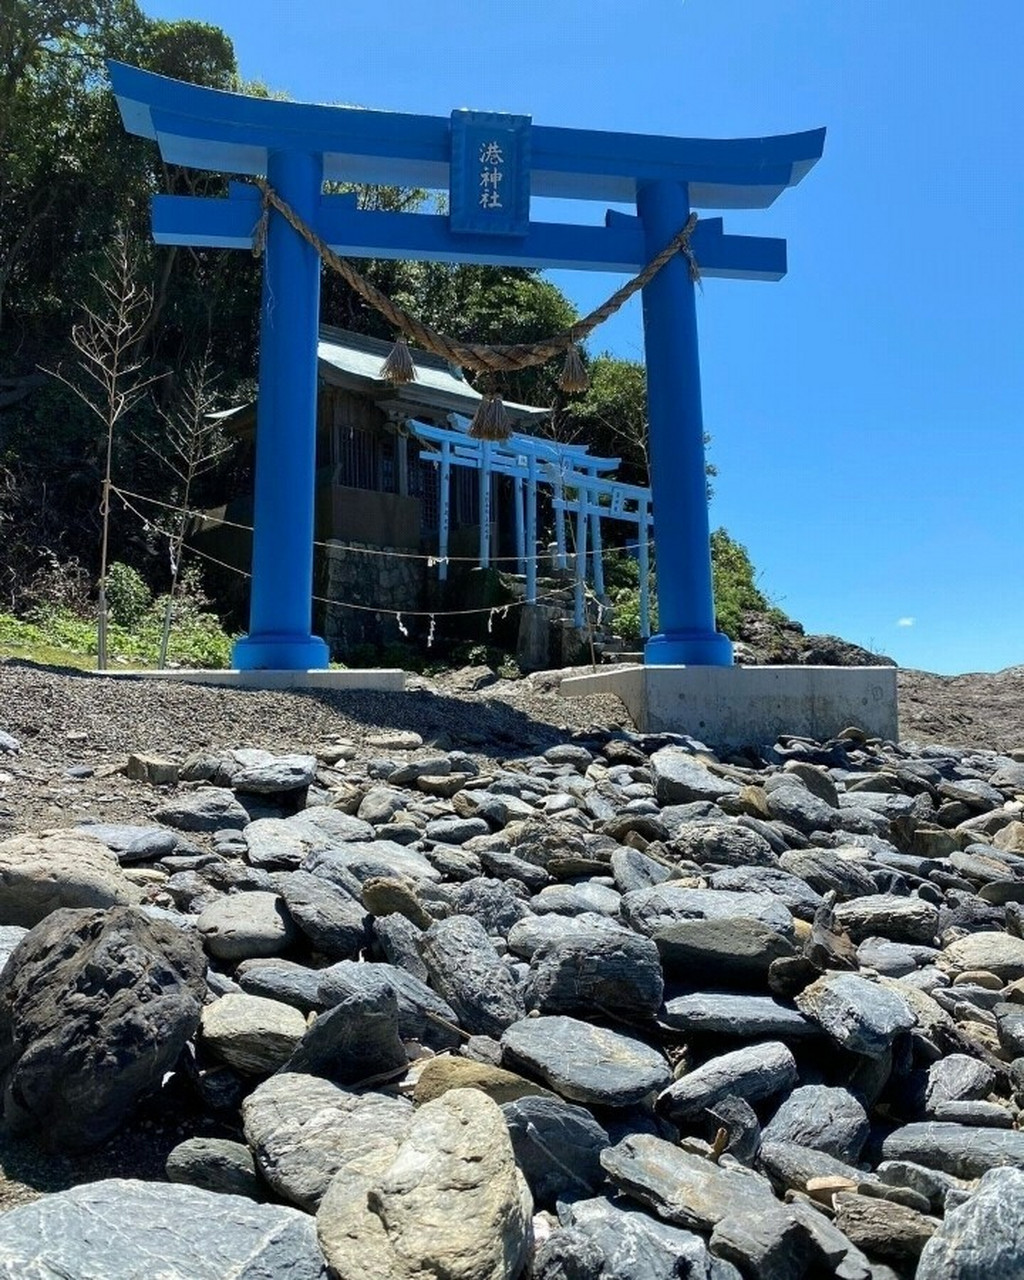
(491, 165)
(232, 133)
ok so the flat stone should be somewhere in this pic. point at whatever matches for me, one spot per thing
(713, 951)
(794, 893)
(683, 1188)
(800, 808)
(531, 933)
(284, 980)
(827, 1119)
(585, 1063)
(451, 1201)
(251, 1033)
(886, 915)
(723, 844)
(983, 1238)
(651, 910)
(276, 775)
(859, 1015)
(303, 1129)
(205, 809)
(243, 925)
(680, 779)
(999, 953)
(365, 859)
(333, 921)
(122, 1229)
(962, 1150)
(792, 1166)
(773, 1243)
(828, 871)
(287, 842)
(467, 971)
(445, 1072)
(40, 874)
(577, 899)
(958, 1077)
(558, 1147)
(133, 843)
(882, 1228)
(618, 972)
(753, 1073)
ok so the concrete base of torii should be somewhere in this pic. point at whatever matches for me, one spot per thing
(385, 679)
(741, 706)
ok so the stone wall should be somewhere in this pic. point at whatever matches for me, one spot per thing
(358, 573)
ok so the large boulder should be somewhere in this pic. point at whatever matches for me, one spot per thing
(95, 1006)
(42, 873)
(122, 1229)
(451, 1202)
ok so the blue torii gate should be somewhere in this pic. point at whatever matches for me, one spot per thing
(490, 165)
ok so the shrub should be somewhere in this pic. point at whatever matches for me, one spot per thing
(128, 597)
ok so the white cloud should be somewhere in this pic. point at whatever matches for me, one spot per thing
(905, 622)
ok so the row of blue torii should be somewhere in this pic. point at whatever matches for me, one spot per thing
(490, 166)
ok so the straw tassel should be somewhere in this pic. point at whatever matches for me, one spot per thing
(399, 366)
(574, 375)
(491, 421)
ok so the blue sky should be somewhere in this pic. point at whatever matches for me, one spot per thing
(867, 411)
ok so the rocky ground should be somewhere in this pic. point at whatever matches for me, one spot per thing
(474, 981)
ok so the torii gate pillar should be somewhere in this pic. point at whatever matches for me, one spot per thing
(282, 542)
(686, 607)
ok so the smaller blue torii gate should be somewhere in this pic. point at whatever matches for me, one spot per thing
(490, 166)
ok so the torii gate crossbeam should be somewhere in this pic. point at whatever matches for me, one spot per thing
(490, 165)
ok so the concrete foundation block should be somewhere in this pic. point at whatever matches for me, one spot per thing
(740, 706)
(385, 679)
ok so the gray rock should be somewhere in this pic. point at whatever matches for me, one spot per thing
(584, 1063)
(215, 1164)
(456, 830)
(791, 1166)
(826, 1119)
(278, 979)
(469, 974)
(134, 843)
(617, 972)
(887, 916)
(9, 745)
(356, 1040)
(827, 872)
(635, 870)
(251, 1033)
(275, 775)
(303, 1129)
(958, 1078)
(883, 1228)
(753, 1073)
(859, 1015)
(506, 866)
(894, 959)
(557, 1146)
(94, 1007)
(680, 779)
(798, 807)
(205, 809)
(962, 1150)
(399, 940)
(244, 925)
(796, 894)
(606, 1241)
(380, 804)
(10, 936)
(773, 1243)
(982, 1238)
(451, 1202)
(333, 921)
(492, 902)
(418, 1006)
(723, 843)
(713, 951)
(742, 1017)
(287, 842)
(684, 1189)
(121, 1229)
(577, 899)
(43, 873)
(369, 858)
(531, 933)
(649, 910)
(999, 953)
